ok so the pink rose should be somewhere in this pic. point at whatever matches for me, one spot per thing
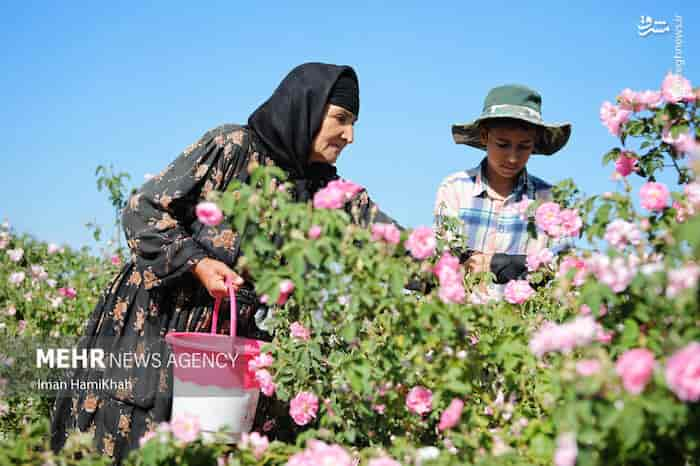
(638, 101)
(692, 193)
(547, 218)
(303, 408)
(330, 197)
(386, 232)
(649, 99)
(392, 235)
(383, 461)
(620, 233)
(255, 442)
(675, 88)
(314, 232)
(260, 361)
(684, 143)
(452, 292)
(348, 188)
(536, 259)
(567, 451)
(16, 278)
(15, 255)
(264, 379)
(681, 212)
(320, 453)
(447, 261)
(629, 100)
(115, 260)
(336, 194)
(573, 263)
(209, 213)
(286, 288)
(683, 373)
(681, 279)
(299, 332)
(604, 337)
(588, 367)
(565, 337)
(68, 292)
(571, 223)
(419, 400)
(185, 427)
(585, 310)
(636, 367)
(421, 243)
(450, 417)
(53, 248)
(378, 231)
(451, 279)
(518, 291)
(624, 165)
(617, 272)
(613, 117)
(654, 196)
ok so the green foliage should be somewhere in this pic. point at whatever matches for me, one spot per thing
(372, 340)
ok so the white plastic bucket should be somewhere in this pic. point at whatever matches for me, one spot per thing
(216, 385)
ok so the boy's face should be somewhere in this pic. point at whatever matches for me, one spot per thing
(509, 149)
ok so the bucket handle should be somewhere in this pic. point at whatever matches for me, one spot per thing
(234, 311)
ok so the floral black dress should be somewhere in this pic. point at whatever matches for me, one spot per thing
(155, 293)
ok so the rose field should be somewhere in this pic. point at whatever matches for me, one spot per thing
(388, 352)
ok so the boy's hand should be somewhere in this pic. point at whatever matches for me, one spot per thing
(479, 262)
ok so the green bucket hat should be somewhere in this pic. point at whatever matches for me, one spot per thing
(521, 103)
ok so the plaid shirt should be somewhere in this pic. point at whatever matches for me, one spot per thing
(490, 223)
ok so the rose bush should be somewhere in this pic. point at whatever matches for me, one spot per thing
(387, 352)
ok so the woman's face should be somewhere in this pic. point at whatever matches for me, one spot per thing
(335, 133)
(508, 150)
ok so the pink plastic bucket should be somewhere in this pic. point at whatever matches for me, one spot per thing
(211, 376)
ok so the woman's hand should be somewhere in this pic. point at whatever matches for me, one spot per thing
(213, 274)
(479, 262)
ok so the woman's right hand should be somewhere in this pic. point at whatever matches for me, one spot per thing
(213, 274)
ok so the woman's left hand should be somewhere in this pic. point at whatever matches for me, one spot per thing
(479, 262)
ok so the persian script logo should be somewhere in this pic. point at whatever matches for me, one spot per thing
(647, 25)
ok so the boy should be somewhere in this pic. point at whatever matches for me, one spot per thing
(484, 198)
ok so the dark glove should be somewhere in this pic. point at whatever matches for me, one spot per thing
(507, 267)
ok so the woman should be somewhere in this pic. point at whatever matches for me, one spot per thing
(179, 264)
(484, 199)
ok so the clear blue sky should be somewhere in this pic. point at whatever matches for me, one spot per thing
(90, 83)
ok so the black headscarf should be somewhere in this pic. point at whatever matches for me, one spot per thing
(289, 120)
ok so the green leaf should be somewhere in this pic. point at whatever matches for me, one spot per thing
(631, 425)
(313, 256)
(542, 446)
(349, 332)
(611, 156)
(398, 281)
(630, 334)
